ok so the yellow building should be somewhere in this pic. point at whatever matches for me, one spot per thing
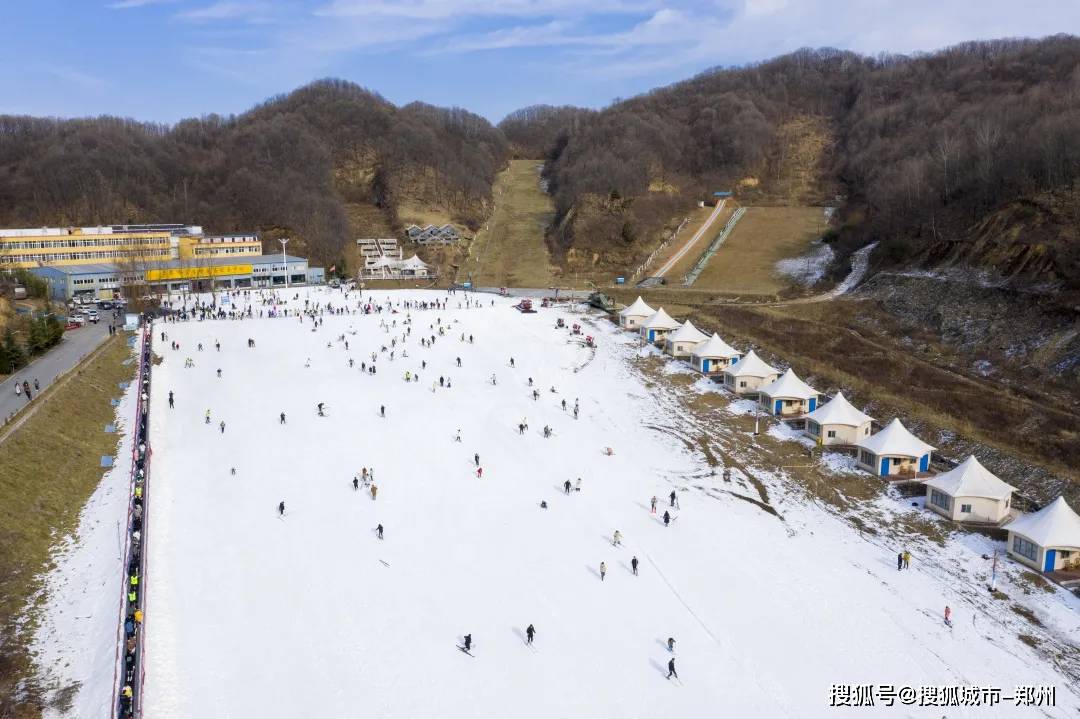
(60, 246)
(201, 246)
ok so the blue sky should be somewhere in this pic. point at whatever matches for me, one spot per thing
(164, 60)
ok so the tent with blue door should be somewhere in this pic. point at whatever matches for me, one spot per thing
(682, 341)
(713, 355)
(788, 396)
(748, 374)
(657, 326)
(630, 318)
(838, 422)
(1047, 540)
(894, 451)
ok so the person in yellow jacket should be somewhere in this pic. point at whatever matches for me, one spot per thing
(374, 490)
(138, 616)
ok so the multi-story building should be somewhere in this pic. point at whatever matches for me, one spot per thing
(62, 246)
(196, 246)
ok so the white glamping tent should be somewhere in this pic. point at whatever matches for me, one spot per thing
(712, 356)
(630, 318)
(682, 341)
(748, 374)
(838, 422)
(788, 395)
(894, 450)
(969, 493)
(1047, 540)
(657, 326)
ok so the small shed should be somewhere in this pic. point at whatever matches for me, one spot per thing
(838, 422)
(969, 493)
(748, 374)
(788, 395)
(712, 356)
(1047, 540)
(630, 318)
(894, 451)
(682, 341)
(657, 326)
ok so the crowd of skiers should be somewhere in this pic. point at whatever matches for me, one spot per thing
(134, 589)
(399, 330)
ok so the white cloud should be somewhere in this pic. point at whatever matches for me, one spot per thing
(249, 11)
(78, 78)
(129, 4)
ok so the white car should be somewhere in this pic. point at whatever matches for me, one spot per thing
(92, 315)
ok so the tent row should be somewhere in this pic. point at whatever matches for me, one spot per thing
(1047, 540)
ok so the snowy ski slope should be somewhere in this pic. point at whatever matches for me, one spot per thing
(252, 615)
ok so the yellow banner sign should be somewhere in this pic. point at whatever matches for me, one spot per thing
(196, 273)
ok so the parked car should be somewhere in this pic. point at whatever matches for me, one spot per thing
(76, 320)
(92, 315)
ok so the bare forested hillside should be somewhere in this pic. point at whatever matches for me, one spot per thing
(290, 166)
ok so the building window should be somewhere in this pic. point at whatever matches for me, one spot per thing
(866, 458)
(832, 434)
(940, 499)
(965, 509)
(1025, 548)
(742, 383)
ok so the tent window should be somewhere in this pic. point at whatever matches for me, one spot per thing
(832, 433)
(940, 499)
(1024, 548)
(965, 509)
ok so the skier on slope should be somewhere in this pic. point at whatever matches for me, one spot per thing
(667, 518)
(355, 483)
(603, 570)
(468, 642)
(566, 486)
(379, 531)
(281, 508)
(530, 632)
(633, 565)
(671, 669)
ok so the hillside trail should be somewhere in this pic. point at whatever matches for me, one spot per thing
(690, 243)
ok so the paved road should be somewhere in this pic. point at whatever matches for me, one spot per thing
(692, 241)
(75, 345)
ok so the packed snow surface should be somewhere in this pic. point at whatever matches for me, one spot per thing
(310, 614)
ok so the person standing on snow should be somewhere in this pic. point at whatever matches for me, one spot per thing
(222, 425)
(603, 570)
(379, 531)
(282, 418)
(948, 617)
(907, 559)
(566, 486)
(899, 561)
(355, 483)
(281, 508)
(672, 497)
(479, 472)
(476, 458)
(667, 518)
(671, 669)
(530, 631)
(468, 642)
(652, 505)
(171, 404)
(207, 416)
(382, 410)
(671, 644)
(374, 490)
(616, 539)
(633, 565)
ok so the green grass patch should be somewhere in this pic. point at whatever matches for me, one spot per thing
(48, 468)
